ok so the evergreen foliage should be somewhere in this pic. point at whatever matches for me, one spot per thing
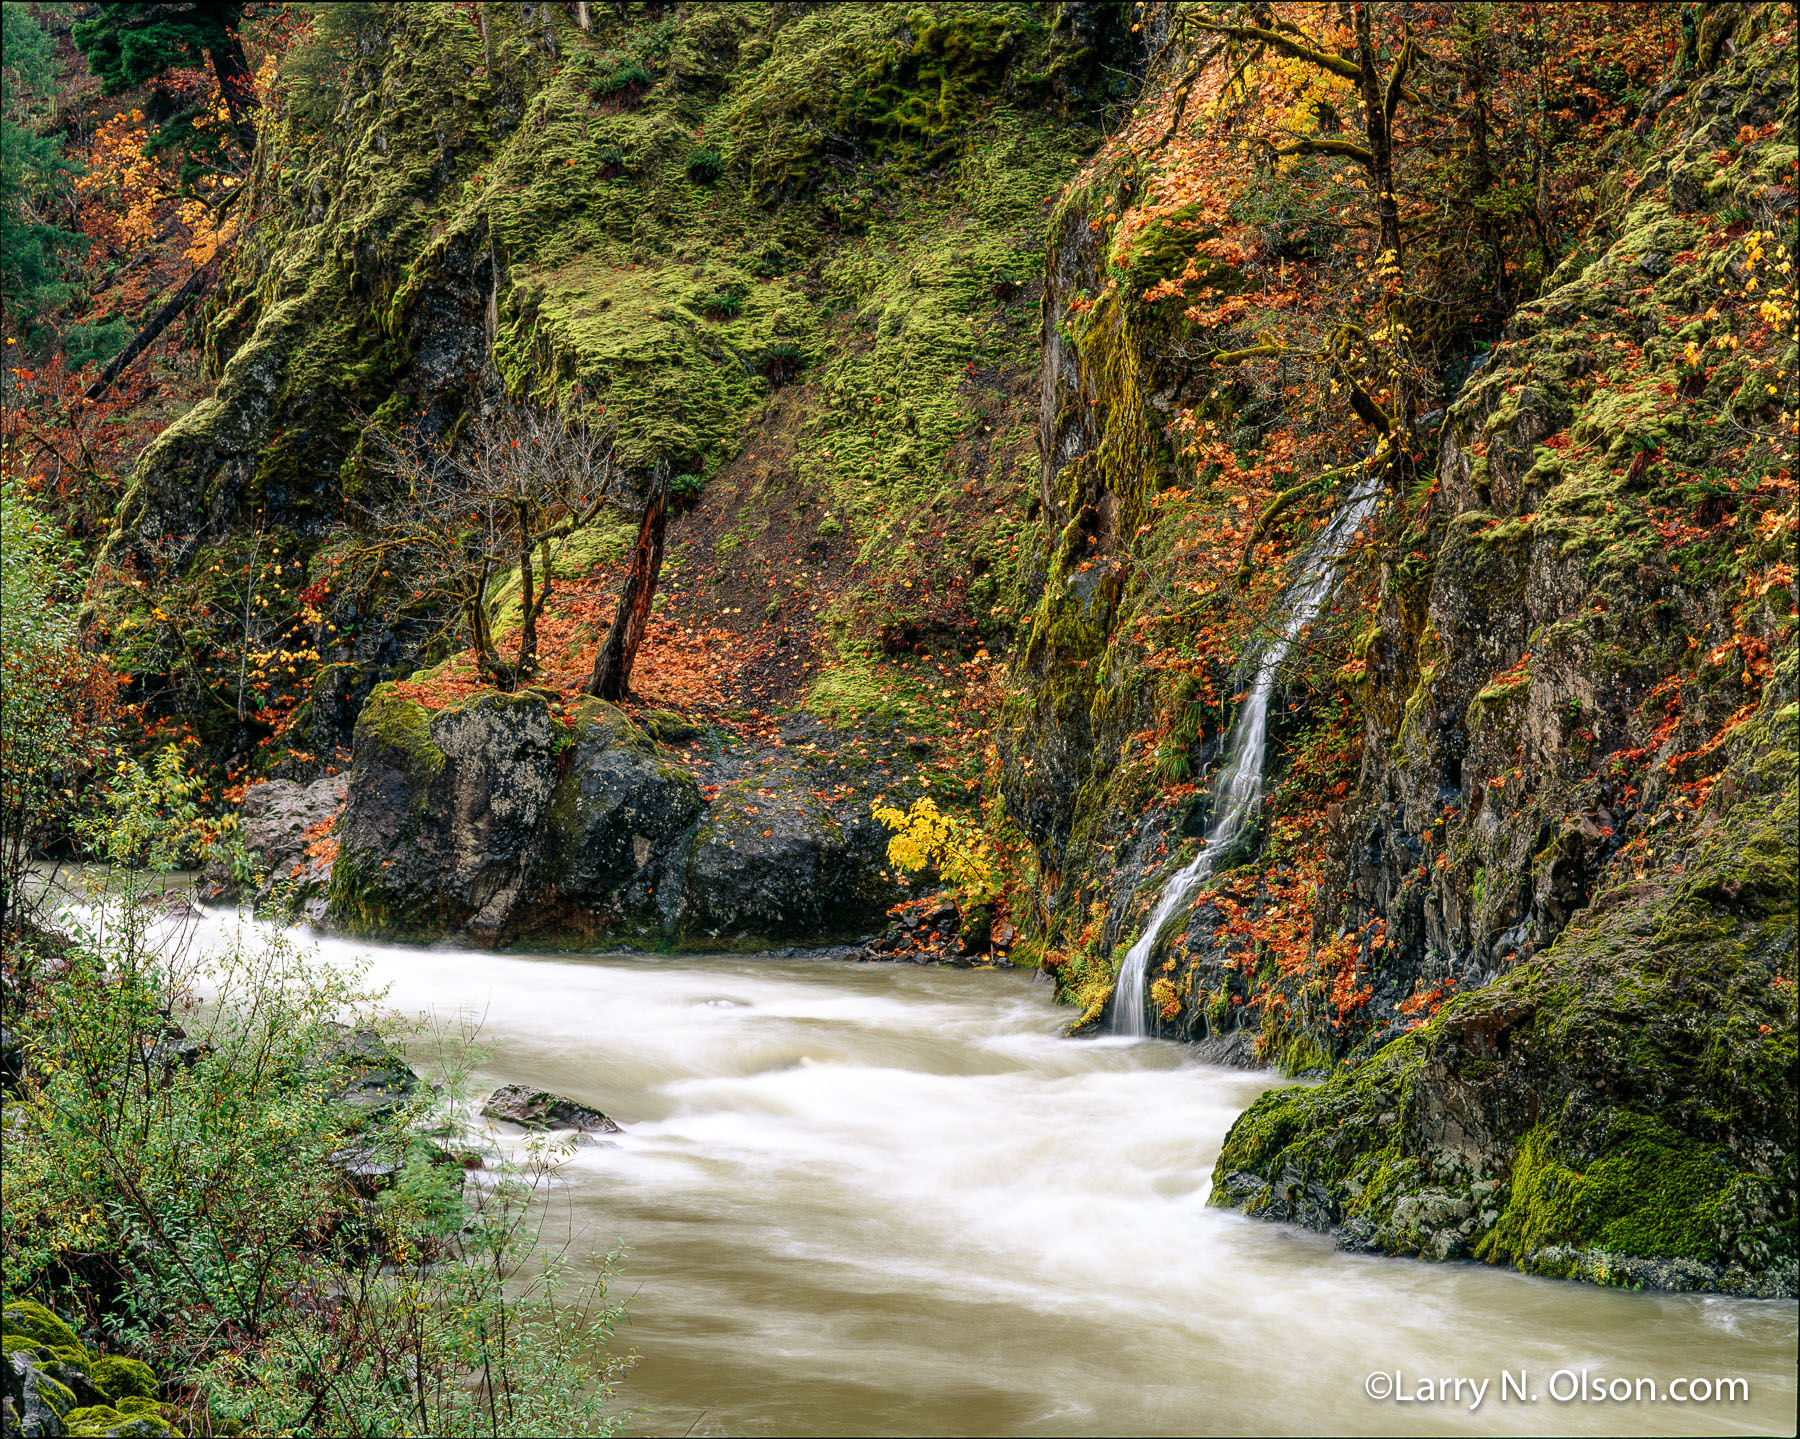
(34, 175)
(128, 45)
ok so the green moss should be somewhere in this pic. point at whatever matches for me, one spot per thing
(403, 727)
(122, 1379)
(97, 1421)
(857, 688)
(38, 1324)
(1647, 1192)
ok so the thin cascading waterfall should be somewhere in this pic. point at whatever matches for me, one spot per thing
(1240, 785)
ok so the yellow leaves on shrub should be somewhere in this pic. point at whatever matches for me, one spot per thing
(924, 837)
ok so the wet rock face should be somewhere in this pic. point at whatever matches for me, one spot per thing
(539, 1109)
(277, 821)
(498, 822)
(616, 816)
(770, 858)
(1618, 1109)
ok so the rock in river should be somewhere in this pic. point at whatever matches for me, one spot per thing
(500, 819)
(539, 1109)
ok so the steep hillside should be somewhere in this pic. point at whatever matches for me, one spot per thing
(789, 252)
(1531, 770)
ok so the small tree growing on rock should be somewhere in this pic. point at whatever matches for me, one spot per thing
(460, 518)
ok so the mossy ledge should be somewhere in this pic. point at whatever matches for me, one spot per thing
(1618, 1109)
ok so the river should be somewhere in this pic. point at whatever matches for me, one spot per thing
(881, 1199)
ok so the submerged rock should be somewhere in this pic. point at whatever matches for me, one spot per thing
(376, 1081)
(539, 1109)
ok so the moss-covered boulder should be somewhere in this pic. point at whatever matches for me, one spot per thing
(34, 1401)
(440, 831)
(1617, 1109)
(127, 1419)
(54, 1385)
(494, 818)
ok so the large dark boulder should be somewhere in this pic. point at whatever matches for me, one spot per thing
(773, 860)
(500, 820)
(442, 823)
(618, 815)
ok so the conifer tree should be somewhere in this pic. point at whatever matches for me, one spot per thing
(33, 175)
(129, 44)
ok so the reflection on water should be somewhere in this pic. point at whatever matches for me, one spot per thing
(874, 1199)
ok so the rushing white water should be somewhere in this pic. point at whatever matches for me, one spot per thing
(866, 1199)
(1239, 788)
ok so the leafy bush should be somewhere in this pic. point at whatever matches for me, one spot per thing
(191, 1176)
(924, 837)
(56, 697)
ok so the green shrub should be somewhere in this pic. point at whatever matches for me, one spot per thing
(290, 1261)
(55, 694)
(93, 344)
(620, 72)
(782, 361)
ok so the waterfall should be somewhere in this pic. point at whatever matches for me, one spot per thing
(1239, 787)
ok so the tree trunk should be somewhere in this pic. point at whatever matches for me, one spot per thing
(612, 666)
(159, 322)
(581, 15)
(1481, 178)
(481, 636)
(239, 88)
(527, 665)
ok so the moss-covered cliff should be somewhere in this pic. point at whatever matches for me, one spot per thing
(1524, 876)
(674, 213)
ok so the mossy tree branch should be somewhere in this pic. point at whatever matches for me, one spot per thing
(1281, 503)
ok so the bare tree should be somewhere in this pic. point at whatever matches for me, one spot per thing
(460, 517)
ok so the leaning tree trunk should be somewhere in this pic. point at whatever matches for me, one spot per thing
(159, 322)
(612, 666)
